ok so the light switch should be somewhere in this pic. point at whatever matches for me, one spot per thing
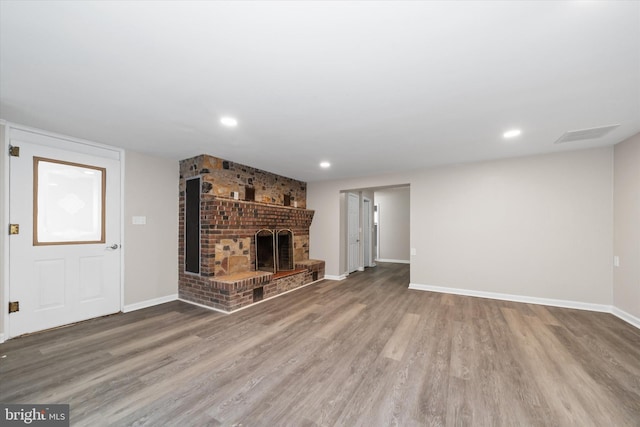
(413, 251)
(139, 220)
(616, 261)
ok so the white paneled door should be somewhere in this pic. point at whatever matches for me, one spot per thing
(353, 231)
(366, 232)
(64, 258)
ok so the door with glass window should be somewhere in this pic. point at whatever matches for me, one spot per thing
(64, 249)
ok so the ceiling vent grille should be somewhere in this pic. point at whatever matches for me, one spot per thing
(579, 135)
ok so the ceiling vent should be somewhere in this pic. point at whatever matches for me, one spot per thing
(579, 135)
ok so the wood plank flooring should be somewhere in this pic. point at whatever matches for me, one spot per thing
(366, 351)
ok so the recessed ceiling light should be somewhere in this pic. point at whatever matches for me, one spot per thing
(229, 121)
(325, 165)
(512, 133)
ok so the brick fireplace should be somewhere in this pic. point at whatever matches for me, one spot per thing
(225, 208)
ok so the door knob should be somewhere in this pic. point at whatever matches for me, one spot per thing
(114, 246)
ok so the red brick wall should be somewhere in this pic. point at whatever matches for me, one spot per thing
(226, 219)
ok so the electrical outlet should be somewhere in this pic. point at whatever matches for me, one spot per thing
(139, 220)
(413, 251)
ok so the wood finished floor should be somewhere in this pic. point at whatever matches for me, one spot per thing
(365, 351)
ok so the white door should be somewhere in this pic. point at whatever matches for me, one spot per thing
(64, 263)
(376, 232)
(366, 231)
(353, 224)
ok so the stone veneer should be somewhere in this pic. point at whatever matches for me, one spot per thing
(228, 225)
(222, 178)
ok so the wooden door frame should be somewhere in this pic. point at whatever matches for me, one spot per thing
(5, 136)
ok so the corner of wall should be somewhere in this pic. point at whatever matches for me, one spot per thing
(4, 244)
(629, 318)
(626, 229)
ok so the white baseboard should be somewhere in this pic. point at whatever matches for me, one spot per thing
(515, 298)
(360, 268)
(330, 277)
(204, 306)
(149, 303)
(1, 338)
(629, 318)
(397, 261)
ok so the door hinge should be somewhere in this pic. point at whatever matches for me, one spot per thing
(14, 229)
(14, 306)
(14, 151)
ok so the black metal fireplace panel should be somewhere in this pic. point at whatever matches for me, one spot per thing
(284, 242)
(274, 250)
(265, 253)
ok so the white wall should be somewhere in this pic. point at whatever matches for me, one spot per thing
(538, 226)
(151, 250)
(342, 237)
(626, 279)
(393, 229)
(4, 243)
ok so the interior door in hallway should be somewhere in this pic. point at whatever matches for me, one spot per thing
(367, 232)
(353, 230)
(64, 260)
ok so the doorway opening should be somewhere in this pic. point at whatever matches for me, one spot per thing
(375, 227)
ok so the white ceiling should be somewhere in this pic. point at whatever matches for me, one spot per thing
(372, 87)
